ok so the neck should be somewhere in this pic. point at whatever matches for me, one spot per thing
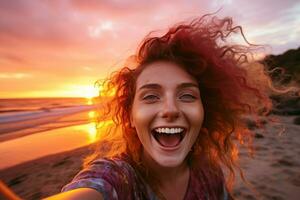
(172, 181)
(166, 175)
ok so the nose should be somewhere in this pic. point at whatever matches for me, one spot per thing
(170, 110)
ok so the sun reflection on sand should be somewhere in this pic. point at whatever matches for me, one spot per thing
(41, 144)
(92, 115)
(105, 124)
(92, 132)
(94, 128)
(89, 101)
(91, 127)
(52, 141)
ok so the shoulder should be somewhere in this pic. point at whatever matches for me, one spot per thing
(110, 177)
(109, 167)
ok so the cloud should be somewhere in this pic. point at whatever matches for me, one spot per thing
(36, 23)
(113, 7)
(97, 30)
(61, 41)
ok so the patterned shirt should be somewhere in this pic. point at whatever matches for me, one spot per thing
(116, 179)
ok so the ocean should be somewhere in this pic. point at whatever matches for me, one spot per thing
(33, 128)
(20, 114)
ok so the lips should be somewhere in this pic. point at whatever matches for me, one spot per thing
(169, 137)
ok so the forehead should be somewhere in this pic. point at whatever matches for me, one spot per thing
(163, 72)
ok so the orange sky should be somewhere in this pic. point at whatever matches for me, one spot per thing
(55, 48)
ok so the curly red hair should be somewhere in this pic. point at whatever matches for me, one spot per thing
(202, 49)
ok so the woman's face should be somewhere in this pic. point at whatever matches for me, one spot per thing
(167, 113)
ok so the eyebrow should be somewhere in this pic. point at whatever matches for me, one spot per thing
(187, 85)
(157, 86)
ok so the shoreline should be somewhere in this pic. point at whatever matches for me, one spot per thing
(38, 145)
(22, 133)
(42, 125)
(274, 171)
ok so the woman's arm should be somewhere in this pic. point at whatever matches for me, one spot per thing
(7, 192)
(77, 194)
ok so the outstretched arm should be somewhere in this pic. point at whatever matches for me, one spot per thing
(77, 194)
(7, 193)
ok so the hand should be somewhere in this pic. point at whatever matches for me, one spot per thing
(8, 193)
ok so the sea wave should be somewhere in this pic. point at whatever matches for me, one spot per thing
(30, 115)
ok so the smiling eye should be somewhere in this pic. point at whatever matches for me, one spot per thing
(150, 98)
(187, 97)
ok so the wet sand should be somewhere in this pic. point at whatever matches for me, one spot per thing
(24, 128)
(45, 176)
(274, 171)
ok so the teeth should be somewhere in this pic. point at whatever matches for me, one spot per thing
(169, 130)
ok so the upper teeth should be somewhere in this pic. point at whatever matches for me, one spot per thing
(169, 130)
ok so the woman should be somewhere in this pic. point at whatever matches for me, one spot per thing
(177, 110)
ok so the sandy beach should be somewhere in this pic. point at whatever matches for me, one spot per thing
(274, 172)
(169, 69)
(45, 176)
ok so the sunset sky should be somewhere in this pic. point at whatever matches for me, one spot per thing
(59, 48)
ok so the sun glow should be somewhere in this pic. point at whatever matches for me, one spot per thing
(92, 115)
(105, 92)
(92, 132)
(105, 124)
(86, 91)
(91, 92)
(94, 128)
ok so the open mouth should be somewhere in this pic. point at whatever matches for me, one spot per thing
(169, 137)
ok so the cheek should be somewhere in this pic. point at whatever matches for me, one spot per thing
(141, 117)
(195, 115)
(196, 119)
